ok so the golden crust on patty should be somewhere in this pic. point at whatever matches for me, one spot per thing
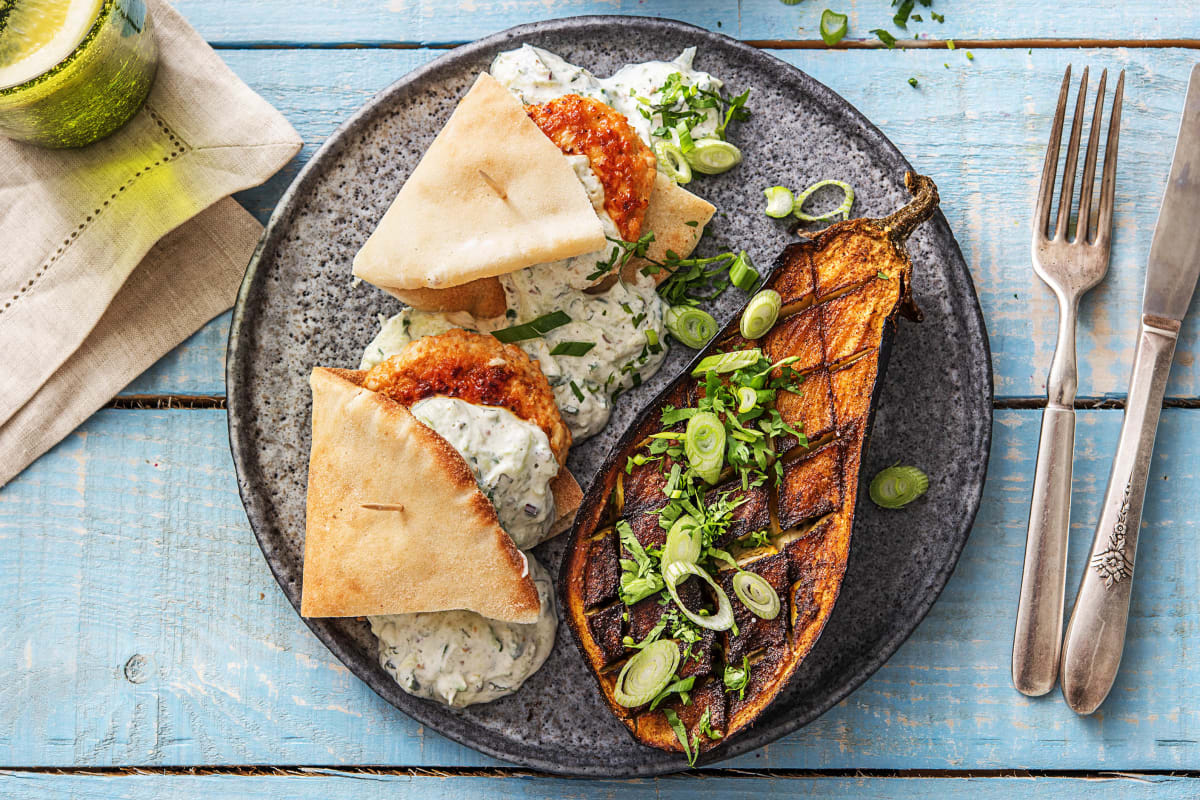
(623, 163)
(477, 368)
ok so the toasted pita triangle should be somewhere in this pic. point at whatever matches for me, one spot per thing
(492, 194)
(676, 216)
(567, 494)
(396, 523)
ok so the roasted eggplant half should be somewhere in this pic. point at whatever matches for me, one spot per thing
(709, 552)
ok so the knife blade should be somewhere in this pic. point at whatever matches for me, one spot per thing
(1175, 250)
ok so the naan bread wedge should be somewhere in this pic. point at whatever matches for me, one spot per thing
(396, 523)
(670, 214)
(491, 195)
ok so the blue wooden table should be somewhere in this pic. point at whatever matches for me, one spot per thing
(147, 652)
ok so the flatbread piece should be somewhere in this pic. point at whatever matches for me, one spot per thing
(381, 488)
(491, 195)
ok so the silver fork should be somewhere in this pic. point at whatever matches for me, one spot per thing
(1070, 267)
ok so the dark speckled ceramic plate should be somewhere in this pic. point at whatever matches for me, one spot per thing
(298, 308)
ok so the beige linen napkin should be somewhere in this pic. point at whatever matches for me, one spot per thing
(112, 254)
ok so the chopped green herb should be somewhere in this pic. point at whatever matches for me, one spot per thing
(534, 328)
(705, 725)
(950, 44)
(681, 734)
(691, 223)
(901, 16)
(680, 687)
(884, 37)
(937, 17)
(736, 678)
(970, 56)
(912, 82)
(621, 254)
(576, 391)
(883, 276)
(917, 18)
(572, 348)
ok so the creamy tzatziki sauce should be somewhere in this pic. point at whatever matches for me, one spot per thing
(511, 459)
(459, 657)
(539, 76)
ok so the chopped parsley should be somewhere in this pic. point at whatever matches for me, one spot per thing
(736, 678)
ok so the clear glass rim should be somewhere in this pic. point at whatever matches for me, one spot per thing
(91, 34)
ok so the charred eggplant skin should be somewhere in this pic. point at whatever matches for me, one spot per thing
(854, 277)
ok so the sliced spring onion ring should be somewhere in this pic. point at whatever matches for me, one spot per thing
(747, 398)
(742, 273)
(896, 487)
(780, 201)
(833, 27)
(727, 362)
(691, 326)
(532, 329)
(683, 541)
(843, 210)
(760, 314)
(647, 673)
(705, 445)
(678, 571)
(672, 162)
(713, 156)
(756, 594)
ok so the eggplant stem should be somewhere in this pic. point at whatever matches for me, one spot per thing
(901, 224)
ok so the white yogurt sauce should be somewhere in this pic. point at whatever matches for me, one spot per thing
(511, 459)
(459, 657)
(539, 76)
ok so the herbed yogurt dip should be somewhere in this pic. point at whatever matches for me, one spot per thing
(511, 459)
(461, 658)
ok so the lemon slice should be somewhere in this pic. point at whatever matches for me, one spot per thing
(37, 34)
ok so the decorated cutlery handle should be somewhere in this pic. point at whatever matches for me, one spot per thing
(1095, 635)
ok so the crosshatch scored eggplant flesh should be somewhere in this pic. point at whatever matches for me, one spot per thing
(842, 290)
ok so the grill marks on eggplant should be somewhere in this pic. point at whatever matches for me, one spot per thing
(842, 290)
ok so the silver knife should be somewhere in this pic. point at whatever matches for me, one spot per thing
(1095, 635)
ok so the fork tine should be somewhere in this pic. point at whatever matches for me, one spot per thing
(1108, 182)
(1041, 213)
(1089, 164)
(1067, 199)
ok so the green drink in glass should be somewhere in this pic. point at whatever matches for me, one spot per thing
(73, 71)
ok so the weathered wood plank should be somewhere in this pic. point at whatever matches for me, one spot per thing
(437, 21)
(145, 628)
(333, 785)
(979, 128)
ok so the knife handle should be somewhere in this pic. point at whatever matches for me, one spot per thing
(1095, 635)
(1038, 633)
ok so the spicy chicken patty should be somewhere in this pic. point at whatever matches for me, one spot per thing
(622, 162)
(477, 368)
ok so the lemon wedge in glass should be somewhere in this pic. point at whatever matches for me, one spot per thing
(37, 34)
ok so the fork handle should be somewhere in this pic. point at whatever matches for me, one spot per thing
(1096, 634)
(1038, 632)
